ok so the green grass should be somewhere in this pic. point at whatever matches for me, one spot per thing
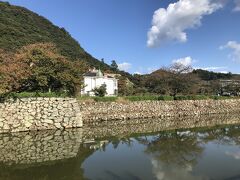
(105, 99)
(141, 98)
(192, 97)
(4, 97)
(165, 98)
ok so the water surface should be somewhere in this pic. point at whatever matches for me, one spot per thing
(136, 152)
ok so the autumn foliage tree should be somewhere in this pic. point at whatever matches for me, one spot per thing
(174, 80)
(43, 69)
(12, 72)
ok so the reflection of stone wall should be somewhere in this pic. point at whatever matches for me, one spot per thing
(38, 147)
(127, 127)
(39, 114)
(103, 111)
(55, 145)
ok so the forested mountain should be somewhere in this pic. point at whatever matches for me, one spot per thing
(20, 27)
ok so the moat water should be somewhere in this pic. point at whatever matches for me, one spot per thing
(90, 153)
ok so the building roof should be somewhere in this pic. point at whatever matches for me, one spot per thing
(92, 74)
(98, 73)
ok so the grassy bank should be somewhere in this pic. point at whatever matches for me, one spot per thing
(114, 99)
(4, 97)
(153, 98)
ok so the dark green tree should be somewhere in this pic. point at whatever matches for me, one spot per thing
(114, 65)
(100, 91)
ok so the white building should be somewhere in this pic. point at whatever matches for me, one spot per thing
(95, 78)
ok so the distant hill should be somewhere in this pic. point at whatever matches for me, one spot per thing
(209, 75)
(20, 26)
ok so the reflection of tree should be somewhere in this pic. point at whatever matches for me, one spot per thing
(173, 148)
(183, 149)
(124, 140)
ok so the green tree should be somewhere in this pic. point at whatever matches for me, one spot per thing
(100, 91)
(114, 65)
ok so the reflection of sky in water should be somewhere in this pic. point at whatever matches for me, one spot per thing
(217, 160)
(172, 172)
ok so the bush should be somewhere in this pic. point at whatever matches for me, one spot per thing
(100, 91)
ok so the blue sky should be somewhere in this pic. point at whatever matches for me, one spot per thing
(143, 35)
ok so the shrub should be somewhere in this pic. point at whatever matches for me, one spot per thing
(100, 91)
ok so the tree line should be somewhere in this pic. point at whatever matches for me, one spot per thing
(178, 79)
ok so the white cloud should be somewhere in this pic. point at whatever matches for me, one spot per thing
(138, 73)
(235, 47)
(186, 61)
(151, 69)
(213, 68)
(224, 72)
(237, 5)
(124, 66)
(171, 23)
(163, 171)
(235, 155)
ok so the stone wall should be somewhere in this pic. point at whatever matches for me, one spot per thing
(93, 112)
(39, 114)
(60, 113)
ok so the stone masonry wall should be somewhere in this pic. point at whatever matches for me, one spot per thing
(93, 112)
(39, 114)
(60, 113)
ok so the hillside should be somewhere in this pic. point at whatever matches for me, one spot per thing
(20, 27)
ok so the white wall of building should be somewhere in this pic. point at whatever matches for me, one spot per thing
(95, 82)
